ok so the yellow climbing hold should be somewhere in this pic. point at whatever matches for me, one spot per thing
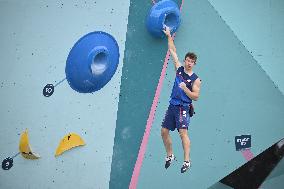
(69, 141)
(24, 147)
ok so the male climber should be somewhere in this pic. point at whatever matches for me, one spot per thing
(186, 88)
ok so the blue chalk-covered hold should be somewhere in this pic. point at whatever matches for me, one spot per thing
(92, 62)
(163, 13)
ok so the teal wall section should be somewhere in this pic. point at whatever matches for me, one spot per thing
(258, 25)
(36, 37)
(279, 170)
(143, 62)
(275, 183)
(275, 178)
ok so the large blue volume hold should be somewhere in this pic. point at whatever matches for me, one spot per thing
(92, 62)
(164, 13)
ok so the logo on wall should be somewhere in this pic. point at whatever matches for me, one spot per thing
(242, 142)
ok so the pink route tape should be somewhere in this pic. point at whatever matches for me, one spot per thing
(248, 155)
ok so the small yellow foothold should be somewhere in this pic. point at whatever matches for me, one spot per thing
(24, 147)
(69, 141)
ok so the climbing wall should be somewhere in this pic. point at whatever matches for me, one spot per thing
(36, 38)
(239, 62)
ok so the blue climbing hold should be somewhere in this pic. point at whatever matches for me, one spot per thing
(164, 13)
(92, 62)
